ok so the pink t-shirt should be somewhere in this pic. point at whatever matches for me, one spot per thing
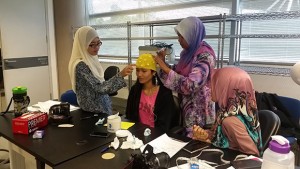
(146, 109)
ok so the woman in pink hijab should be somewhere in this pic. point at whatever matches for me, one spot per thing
(237, 126)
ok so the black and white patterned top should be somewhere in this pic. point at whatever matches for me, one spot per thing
(92, 95)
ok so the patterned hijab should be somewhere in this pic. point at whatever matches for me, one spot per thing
(83, 37)
(193, 32)
(233, 90)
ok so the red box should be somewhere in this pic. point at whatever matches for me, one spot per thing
(29, 122)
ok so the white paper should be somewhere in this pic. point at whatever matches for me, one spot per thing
(166, 144)
(45, 106)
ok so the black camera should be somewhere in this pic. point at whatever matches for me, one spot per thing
(60, 113)
(149, 160)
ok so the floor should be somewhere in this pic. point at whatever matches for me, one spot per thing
(3, 142)
(3, 154)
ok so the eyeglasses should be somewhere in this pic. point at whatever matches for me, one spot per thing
(95, 45)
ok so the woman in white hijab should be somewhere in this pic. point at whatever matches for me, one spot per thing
(87, 75)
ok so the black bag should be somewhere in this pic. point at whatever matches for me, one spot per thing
(269, 101)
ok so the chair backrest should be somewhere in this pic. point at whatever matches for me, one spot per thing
(109, 73)
(269, 124)
(70, 97)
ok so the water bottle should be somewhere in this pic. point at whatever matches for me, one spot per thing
(21, 100)
(278, 155)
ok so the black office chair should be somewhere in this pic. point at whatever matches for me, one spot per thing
(178, 110)
(269, 124)
(70, 97)
(109, 73)
(178, 129)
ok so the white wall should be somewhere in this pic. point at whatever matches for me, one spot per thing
(280, 85)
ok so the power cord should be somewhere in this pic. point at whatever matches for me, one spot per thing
(203, 163)
(215, 150)
(241, 156)
(6, 111)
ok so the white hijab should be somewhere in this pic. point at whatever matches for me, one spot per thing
(83, 37)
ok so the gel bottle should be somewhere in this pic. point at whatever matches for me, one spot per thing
(278, 155)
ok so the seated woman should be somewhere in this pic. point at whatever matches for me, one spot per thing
(237, 124)
(148, 102)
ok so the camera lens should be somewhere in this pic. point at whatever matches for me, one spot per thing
(161, 160)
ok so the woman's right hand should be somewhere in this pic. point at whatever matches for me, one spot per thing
(162, 54)
(127, 70)
(160, 60)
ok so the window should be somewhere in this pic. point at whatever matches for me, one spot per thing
(271, 40)
(279, 38)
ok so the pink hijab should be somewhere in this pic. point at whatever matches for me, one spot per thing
(233, 90)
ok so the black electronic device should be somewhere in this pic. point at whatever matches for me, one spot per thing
(99, 134)
(60, 113)
(150, 160)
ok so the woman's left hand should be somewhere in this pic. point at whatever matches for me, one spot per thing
(200, 134)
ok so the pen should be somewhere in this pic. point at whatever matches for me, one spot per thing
(105, 149)
(88, 117)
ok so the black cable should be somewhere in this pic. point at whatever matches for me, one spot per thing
(163, 45)
(2, 113)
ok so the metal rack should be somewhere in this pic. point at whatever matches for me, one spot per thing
(151, 24)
